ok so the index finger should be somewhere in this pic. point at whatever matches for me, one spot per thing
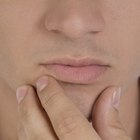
(68, 122)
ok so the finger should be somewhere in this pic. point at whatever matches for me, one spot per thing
(21, 132)
(105, 116)
(67, 120)
(33, 120)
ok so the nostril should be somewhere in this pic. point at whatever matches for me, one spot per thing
(75, 21)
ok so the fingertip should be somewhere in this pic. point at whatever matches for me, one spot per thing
(116, 98)
(21, 93)
(105, 102)
(42, 83)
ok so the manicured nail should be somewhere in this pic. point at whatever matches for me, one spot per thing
(21, 92)
(42, 83)
(116, 98)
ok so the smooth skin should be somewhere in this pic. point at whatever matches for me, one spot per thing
(67, 122)
(36, 31)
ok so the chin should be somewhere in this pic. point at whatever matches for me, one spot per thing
(83, 96)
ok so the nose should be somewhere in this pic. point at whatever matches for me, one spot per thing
(74, 18)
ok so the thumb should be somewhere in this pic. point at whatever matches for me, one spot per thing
(105, 116)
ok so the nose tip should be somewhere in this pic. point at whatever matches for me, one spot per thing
(74, 23)
(72, 27)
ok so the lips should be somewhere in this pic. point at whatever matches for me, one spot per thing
(80, 71)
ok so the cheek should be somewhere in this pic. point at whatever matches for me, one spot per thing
(128, 68)
(16, 65)
(130, 55)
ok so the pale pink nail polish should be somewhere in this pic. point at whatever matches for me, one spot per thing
(21, 92)
(116, 98)
(42, 83)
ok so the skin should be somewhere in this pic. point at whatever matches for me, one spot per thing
(34, 31)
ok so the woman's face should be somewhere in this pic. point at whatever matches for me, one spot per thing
(36, 31)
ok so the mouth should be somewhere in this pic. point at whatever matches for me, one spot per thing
(77, 71)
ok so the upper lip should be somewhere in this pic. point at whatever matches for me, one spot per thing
(75, 62)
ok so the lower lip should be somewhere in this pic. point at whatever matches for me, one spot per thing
(82, 75)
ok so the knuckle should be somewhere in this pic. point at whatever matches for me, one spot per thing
(49, 99)
(118, 130)
(21, 132)
(25, 114)
(37, 137)
(68, 124)
(115, 124)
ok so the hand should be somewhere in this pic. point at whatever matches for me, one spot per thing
(48, 114)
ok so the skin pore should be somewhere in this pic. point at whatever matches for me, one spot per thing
(35, 31)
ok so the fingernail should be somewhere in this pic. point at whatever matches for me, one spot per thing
(116, 98)
(21, 92)
(42, 83)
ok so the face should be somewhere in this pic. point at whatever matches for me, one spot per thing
(33, 32)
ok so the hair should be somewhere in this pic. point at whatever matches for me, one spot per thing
(138, 130)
